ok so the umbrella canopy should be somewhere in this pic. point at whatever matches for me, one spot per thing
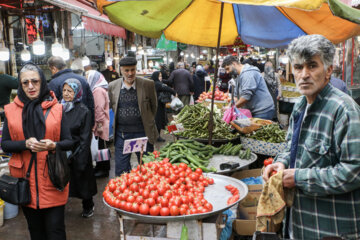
(196, 22)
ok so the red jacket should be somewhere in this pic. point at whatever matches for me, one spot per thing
(48, 196)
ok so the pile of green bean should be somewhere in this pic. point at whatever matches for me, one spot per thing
(195, 120)
(269, 133)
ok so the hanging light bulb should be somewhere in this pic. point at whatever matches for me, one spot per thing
(56, 48)
(85, 61)
(25, 54)
(4, 51)
(65, 53)
(38, 45)
(108, 62)
(133, 48)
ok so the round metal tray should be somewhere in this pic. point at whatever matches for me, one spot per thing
(218, 159)
(215, 194)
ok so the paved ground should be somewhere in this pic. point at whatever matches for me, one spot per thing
(103, 225)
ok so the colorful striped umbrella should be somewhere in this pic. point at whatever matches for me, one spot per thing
(270, 23)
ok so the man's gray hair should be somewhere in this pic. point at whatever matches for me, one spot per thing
(56, 62)
(181, 65)
(305, 47)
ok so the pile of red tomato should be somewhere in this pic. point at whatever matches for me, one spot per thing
(160, 189)
(269, 161)
(218, 95)
(235, 194)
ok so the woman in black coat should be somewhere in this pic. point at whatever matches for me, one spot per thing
(82, 181)
(161, 118)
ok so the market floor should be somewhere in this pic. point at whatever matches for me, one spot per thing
(103, 225)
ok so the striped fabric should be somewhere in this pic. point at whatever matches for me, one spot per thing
(327, 196)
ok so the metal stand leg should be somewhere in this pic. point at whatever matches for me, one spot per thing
(122, 232)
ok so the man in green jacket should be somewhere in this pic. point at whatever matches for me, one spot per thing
(322, 158)
(7, 83)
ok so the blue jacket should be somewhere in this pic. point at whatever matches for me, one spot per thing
(60, 77)
(251, 86)
(338, 83)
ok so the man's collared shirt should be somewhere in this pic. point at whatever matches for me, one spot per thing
(327, 176)
(127, 87)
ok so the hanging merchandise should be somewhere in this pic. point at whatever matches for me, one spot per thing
(65, 52)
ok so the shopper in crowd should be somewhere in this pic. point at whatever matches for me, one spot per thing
(225, 78)
(182, 82)
(338, 83)
(164, 71)
(321, 162)
(109, 73)
(171, 67)
(99, 88)
(199, 81)
(34, 125)
(209, 69)
(273, 83)
(161, 119)
(251, 90)
(82, 181)
(60, 73)
(133, 100)
(7, 83)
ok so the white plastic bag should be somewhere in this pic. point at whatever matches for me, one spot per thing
(94, 148)
(176, 104)
(192, 102)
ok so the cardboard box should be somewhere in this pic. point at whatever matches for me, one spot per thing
(245, 225)
(254, 193)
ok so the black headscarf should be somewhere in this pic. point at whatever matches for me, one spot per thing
(155, 76)
(33, 119)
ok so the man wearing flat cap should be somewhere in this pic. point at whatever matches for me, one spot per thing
(133, 100)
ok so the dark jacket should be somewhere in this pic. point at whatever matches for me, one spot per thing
(60, 77)
(199, 83)
(160, 118)
(7, 83)
(82, 181)
(181, 81)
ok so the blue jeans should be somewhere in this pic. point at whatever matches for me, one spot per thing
(122, 161)
(267, 115)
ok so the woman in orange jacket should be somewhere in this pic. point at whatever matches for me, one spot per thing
(28, 134)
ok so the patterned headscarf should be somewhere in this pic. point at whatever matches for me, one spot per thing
(96, 79)
(77, 88)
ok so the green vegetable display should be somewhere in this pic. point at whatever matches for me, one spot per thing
(195, 154)
(195, 120)
(269, 133)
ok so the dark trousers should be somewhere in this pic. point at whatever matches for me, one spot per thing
(104, 165)
(122, 161)
(46, 224)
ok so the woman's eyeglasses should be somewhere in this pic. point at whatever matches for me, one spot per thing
(34, 82)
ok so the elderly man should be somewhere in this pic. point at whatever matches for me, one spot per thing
(60, 74)
(182, 82)
(251, 90)
(322, 159)
(133, 100)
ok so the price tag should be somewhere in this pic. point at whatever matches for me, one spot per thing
(176, 128)
(135, 145)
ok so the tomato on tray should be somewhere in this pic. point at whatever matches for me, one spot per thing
(160, 189)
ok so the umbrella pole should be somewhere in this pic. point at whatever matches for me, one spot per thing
(211, 120)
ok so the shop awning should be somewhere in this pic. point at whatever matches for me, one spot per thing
(93, 19)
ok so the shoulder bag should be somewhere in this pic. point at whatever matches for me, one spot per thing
(58, 168)
(16, 190)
